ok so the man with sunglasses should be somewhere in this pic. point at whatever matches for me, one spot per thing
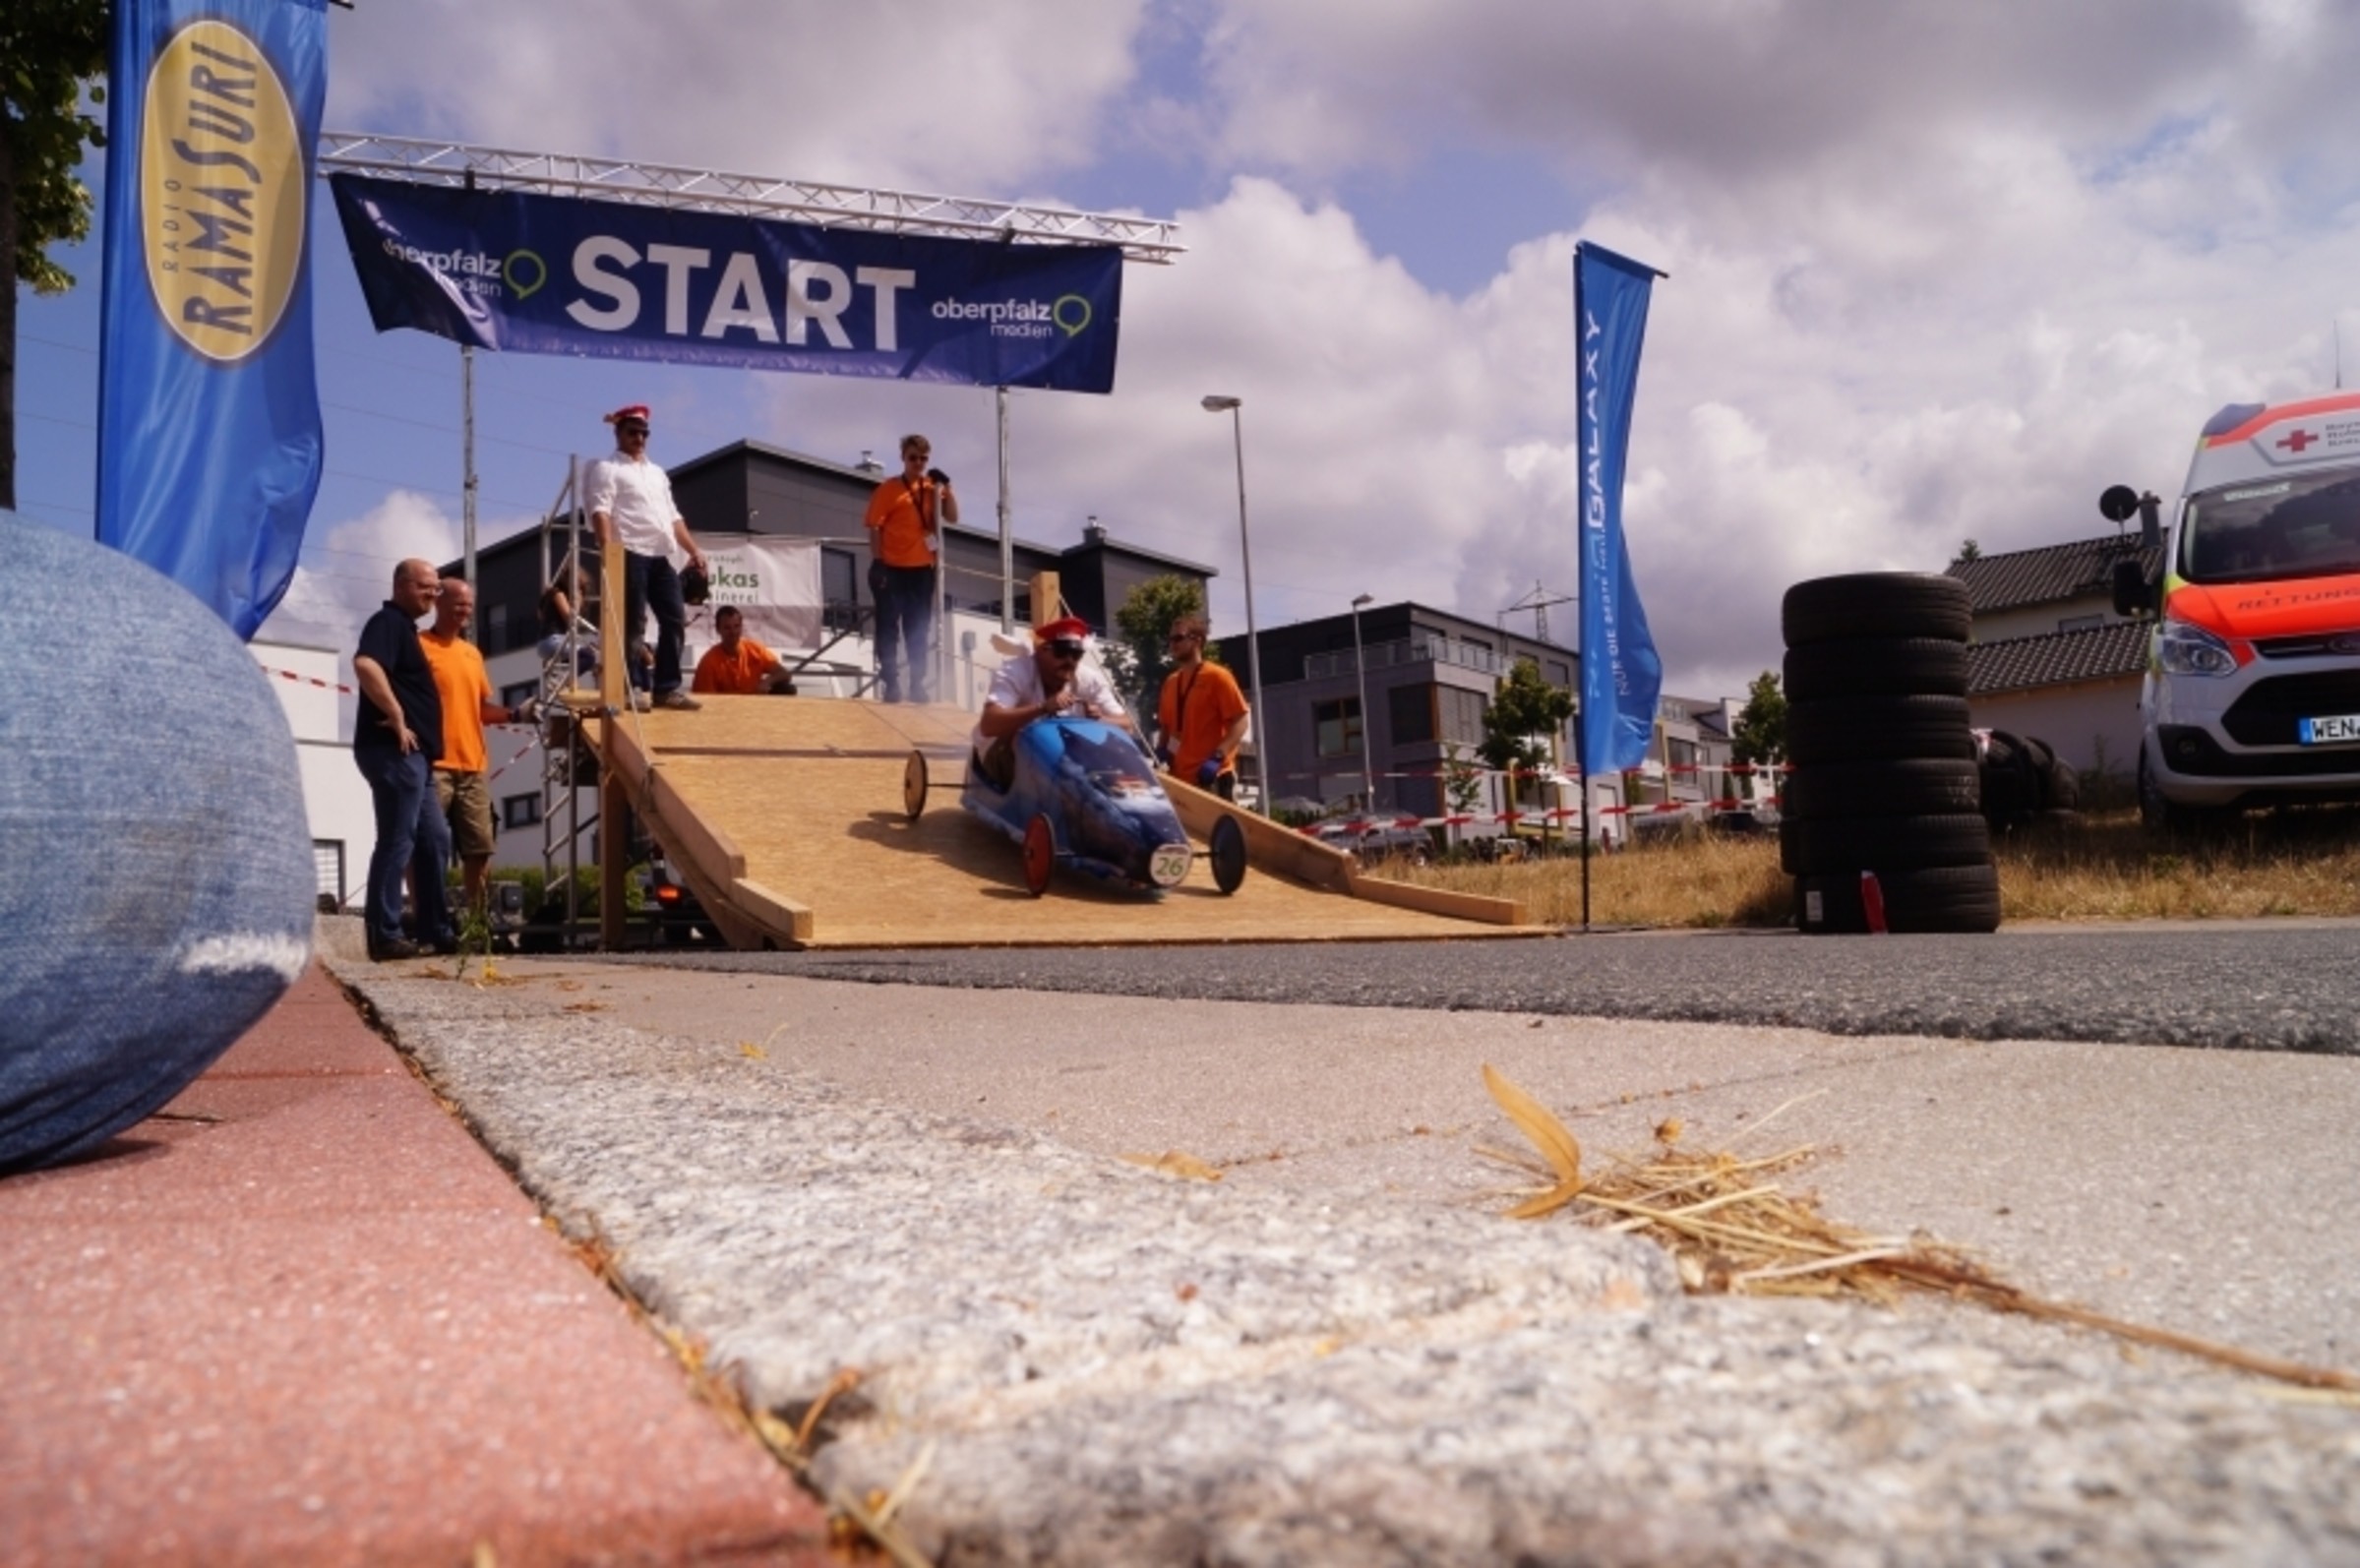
(1201, 714)
(905, 520)
(630, 497)
(1055, 679)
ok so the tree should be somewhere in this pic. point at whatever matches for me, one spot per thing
(1969, 550)
(1525, 715)
(49, 49)
(1135, 663)
(1761, 737)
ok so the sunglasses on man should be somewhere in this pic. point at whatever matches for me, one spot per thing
(1066, 648)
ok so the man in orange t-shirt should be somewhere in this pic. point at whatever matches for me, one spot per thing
(461, 774)
(737, 665)
(1201, 714)
(904, 522)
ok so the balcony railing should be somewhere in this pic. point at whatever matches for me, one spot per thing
(1427, 647)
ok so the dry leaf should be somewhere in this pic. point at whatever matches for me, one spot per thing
(752, 1052)
(1669, 1129)
(1173, 1163)
(1556, 1145)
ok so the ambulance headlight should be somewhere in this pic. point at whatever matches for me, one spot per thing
(2185, 649)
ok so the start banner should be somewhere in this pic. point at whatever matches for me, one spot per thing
(553, 275)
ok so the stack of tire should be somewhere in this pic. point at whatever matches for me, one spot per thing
(1882, 826)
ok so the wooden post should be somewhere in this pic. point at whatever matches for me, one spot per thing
(614, 799)
(1045, 593)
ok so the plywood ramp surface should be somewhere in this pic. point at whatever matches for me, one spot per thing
(809, 793)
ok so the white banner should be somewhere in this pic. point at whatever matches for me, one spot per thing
(774, 579)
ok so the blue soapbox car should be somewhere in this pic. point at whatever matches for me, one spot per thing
(1085, 794)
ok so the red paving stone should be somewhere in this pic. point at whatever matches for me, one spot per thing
(301, 1316)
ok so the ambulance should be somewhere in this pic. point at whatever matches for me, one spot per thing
(2251, 694)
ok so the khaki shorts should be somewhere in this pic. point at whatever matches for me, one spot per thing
(467, 803)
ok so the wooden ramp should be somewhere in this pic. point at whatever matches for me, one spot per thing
(784, 815)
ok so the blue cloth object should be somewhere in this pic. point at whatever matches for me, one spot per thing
(1207, 771)
(1621, 673)
(156, 868)
(905, 632)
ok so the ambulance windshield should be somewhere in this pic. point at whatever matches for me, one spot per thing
(2304, 526)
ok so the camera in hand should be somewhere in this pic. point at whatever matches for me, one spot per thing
(937, 476)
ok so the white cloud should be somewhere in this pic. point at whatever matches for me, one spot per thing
(347, 570)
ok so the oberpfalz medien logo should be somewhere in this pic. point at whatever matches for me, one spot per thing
(222, 186)
(1020, 318)
(479, 272)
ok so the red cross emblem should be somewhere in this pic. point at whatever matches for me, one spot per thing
(2297, 440)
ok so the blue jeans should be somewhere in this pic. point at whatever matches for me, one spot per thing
(905, 618)
(650, 582)
(156, 865)
(412, 837)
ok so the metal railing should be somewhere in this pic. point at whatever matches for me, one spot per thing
(1430, 647)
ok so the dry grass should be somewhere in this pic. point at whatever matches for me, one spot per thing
(2095, 867)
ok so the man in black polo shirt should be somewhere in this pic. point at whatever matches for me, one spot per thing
(396, 735)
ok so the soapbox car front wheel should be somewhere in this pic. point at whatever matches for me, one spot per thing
(914, 785)
(1040, 855)
(1228, 854)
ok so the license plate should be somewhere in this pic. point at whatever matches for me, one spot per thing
(2329, 731)
(1168, 866)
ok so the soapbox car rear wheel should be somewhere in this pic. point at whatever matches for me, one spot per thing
(1040, 855)
(913, 785)
(1228, 854)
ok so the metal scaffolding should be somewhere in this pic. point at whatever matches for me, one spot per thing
(1141, 239)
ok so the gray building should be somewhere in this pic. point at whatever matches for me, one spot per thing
(1429, 678)
(748, 487)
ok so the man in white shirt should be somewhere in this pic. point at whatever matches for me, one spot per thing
(1054, 679)
(629, 498)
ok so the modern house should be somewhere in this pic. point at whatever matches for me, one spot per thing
(1427, 677)
(2050, 657)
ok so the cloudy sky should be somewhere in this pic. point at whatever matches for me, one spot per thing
(1937, 271)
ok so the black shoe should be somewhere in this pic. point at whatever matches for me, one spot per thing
(394, 951)
(446, 947)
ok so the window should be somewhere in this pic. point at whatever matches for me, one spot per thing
(1337, 725)
(1411, 713)
(519, 811)
(838, 575)
(1557, 673)
(1462, 715)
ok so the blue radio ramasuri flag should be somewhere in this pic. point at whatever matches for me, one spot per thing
(209, 408)
(1621, 676)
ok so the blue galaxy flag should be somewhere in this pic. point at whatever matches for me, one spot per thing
(208, 409)
(1621, 676)
(565, 275)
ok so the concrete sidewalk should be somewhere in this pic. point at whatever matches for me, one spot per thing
(300, 1316)
(1341, 1353)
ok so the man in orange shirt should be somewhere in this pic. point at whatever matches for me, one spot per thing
(738, 665)
(461, 772)
(1201, 714)
(904, 522)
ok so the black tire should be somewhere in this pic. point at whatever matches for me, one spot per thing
(1876, 604)
(1881, 843)
(1228, 854)
(1863, 729)
(1937, 898)
(1876, 667)
(2158, 815)
(1896, 787)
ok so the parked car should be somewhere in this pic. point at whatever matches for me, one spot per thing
(1374, 838)
(1745, 821)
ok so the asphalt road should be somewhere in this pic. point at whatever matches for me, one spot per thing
(2244, 985)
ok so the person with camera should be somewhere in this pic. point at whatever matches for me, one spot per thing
(905, 520)
(1202, 716)
(630, 501)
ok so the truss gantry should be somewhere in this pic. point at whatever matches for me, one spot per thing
(1141, 239)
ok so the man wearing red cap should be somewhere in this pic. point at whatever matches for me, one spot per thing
(630, 498)
(1053, 679)
(904, 519)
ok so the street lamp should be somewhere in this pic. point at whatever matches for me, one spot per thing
(1217, 405)
(1360, 666)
